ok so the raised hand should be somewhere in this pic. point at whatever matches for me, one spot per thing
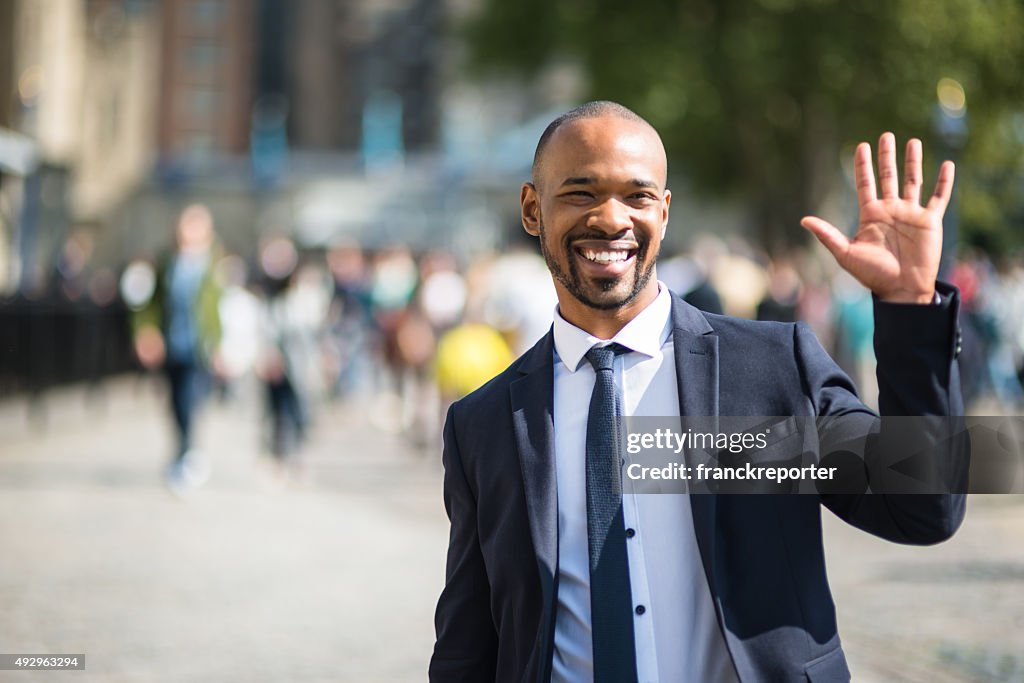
(898, 244)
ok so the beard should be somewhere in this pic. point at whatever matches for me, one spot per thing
(578, 287)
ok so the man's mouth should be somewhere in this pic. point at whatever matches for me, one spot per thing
(606, 254)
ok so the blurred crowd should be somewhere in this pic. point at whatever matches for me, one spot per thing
(397, 333)
(402, 334)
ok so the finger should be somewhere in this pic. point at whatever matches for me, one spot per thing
(829, 235)
(943, 188)
(864, 175)
(888, 181)
(912, 172)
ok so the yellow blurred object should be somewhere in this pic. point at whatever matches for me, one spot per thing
(468, 356)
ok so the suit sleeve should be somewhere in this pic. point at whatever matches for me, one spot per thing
(466, 645)
(916, 349)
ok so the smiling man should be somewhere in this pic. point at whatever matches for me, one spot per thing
(604, 259)
(553, 574)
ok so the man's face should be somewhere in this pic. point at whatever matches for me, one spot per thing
(600, 208)
(195, 229)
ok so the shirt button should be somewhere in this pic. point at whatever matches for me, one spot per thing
(630, 533)
(640, 609)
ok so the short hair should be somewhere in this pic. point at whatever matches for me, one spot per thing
(587, 110)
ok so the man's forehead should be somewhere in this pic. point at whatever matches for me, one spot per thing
(608, 141)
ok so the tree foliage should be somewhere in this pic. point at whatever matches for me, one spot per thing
(756, 98)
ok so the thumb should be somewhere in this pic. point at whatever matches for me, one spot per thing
(829, 235)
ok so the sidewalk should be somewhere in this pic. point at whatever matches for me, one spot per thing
(335, 578)
(943, 614)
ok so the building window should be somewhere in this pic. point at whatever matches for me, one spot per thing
(203, 103)
(199, 146)
(206, 14)
(204, 57)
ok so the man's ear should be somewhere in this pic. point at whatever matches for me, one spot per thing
(529, 204)
(664, 213)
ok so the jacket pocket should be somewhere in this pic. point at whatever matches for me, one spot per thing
(829, 668)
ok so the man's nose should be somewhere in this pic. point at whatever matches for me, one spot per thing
(611, 216)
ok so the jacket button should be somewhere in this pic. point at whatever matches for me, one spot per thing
(630, 533)
(640, 609)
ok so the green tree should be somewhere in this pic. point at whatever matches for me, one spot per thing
(756, 98)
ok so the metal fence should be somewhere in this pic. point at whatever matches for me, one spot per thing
(47, 343)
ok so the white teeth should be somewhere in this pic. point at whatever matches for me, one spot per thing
(605, 256)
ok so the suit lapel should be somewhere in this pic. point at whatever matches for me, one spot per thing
(532, 397)
(532, 415)
(696, 351)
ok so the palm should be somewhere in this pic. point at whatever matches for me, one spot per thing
(898, 244)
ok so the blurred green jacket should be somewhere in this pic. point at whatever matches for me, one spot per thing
(206, 309)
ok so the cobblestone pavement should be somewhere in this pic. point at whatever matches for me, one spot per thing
(334, 577)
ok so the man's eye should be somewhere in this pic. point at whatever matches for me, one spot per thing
(642, 197)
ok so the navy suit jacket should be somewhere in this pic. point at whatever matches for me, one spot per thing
(762, 554)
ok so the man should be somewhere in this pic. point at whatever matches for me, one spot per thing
(179, 329)
(552, 573)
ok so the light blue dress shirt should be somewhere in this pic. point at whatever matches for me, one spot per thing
(677, 636)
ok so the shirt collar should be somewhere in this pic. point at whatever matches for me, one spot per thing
(644, 334)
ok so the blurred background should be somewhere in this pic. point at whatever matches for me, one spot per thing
(251, 249)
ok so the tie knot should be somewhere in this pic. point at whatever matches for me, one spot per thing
(602, 357)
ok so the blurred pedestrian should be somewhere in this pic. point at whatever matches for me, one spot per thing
(513, 294)
(405, 339)
(179, 329)
(240, 311)
(782, 300)
(294, 321)
(349, 320)
(687, 275)
(854, 332)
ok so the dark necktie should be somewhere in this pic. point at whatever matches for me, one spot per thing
(611, 603)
